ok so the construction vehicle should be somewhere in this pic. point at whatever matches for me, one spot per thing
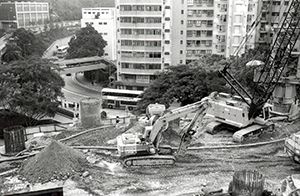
(273, 96)
(292, 146)
(290, 185)
(143, 149)
(250, 113)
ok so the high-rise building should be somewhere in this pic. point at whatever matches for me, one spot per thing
(141, 41)
(271, 13)
(15, 15)
(153, 35)
(103, 19)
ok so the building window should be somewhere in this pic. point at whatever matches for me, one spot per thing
(276, 2)
(167, 42)
(181, 41)
(181, 51)
(167, 53)
(167, 7)
(182, 22)
(189, 33)
(125, 8)
(167, 30)
(138, 7)
(209, 33)
(100, 23)
(105, 23)
(125, 19)
(167, 19)
(181, 32)
(182, 11)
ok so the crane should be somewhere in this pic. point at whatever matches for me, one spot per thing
(253, 116)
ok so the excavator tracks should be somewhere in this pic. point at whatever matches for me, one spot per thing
(241, 135)
(149, 161)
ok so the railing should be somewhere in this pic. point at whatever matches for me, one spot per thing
(30, 131)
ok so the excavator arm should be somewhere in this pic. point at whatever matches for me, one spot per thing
(161, 124)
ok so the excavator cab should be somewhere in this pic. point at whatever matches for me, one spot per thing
(155, 109)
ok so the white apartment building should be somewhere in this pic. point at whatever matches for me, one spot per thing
(143, 47)
(150, 36)
(103, 19)
(241, 15)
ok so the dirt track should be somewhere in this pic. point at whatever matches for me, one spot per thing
(215, 167)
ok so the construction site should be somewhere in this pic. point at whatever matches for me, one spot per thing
(86, 163)
(240, 144)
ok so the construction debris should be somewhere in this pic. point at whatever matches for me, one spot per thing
(56, 162)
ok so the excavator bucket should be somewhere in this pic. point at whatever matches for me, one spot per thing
(185, 141)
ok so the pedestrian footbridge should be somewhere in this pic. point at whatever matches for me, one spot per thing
(83, 64)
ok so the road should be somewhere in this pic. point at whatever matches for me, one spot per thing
(52, 48)
(74, 92)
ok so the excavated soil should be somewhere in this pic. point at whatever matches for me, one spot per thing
(214, 167)
(56, 161)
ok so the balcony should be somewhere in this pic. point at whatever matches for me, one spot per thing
(141, 13)
(262, 29)
(262, 40)
(138, 71)
(142, 25)
(140, 36)
(142, 48)
(140, 59)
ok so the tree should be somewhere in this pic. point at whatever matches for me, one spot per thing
(183, 84)
(25, 40)
(87, 42)
(27, 43)
(31, 87)
(12, 53)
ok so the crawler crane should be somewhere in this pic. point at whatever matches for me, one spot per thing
(145, 150)
(250, 113)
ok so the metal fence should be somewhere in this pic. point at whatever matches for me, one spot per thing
(30, 131)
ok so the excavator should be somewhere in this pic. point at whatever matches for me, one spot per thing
(247, 113)
(273, 96)
(138, 149)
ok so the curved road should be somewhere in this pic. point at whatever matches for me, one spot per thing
(74, 92)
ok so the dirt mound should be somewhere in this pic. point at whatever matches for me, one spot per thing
(56, 161)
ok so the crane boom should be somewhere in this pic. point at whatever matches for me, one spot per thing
(284, 41)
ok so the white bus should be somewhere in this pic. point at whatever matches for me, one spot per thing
(120, 98)
(61, 51)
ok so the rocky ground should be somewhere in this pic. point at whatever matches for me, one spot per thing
(102, 173)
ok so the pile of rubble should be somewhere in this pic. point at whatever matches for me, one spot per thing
(55, 162)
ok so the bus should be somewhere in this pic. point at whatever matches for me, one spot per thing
(61, 51)
(120, 98)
